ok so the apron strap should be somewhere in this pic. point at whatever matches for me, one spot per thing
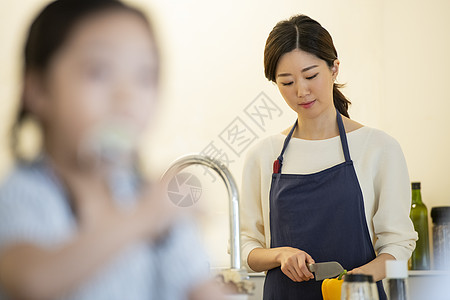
(343, 136)
(278, 163)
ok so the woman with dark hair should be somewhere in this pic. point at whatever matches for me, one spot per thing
(327, 188)
(77, 222)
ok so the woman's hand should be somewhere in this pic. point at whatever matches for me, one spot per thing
(294, 263)
(376, 267)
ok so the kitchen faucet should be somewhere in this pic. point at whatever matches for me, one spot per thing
(233, 195)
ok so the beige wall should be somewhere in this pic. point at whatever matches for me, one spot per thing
(394, 59)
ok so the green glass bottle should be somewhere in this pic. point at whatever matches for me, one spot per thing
(420, 259)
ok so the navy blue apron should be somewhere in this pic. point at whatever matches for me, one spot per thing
(321, 214)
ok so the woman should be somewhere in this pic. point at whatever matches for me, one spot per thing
(337, 190)
(75, 222)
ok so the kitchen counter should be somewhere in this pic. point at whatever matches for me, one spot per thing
(433, 284)
(428, 273)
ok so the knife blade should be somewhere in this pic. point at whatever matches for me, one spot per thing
(325, 270)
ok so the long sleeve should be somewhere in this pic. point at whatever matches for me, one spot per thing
(393, 227)
(252, 221)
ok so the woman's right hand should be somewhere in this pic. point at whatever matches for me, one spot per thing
(294, 263)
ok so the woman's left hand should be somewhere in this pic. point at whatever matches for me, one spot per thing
(359, 270)
(376, 267)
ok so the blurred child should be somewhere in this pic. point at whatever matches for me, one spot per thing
(74, 222)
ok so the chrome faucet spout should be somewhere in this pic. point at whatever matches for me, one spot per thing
(233, 195)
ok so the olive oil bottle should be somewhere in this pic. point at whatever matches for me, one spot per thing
(420, 259)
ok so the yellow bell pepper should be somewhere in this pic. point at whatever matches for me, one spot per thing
(331, 288)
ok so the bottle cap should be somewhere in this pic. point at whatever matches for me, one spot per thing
(440, 214)
(358, 278)
(396, 269)
(415, 185)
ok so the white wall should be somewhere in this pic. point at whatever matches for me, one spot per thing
(393, 58)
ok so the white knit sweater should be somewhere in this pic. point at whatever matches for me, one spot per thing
(381, 170)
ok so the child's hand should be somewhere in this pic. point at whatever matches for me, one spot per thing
(92, 202)
(89, 195)
(155, 212)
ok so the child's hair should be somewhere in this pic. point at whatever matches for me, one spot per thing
(48, 33)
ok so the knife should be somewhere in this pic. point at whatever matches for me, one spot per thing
(326, 269)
